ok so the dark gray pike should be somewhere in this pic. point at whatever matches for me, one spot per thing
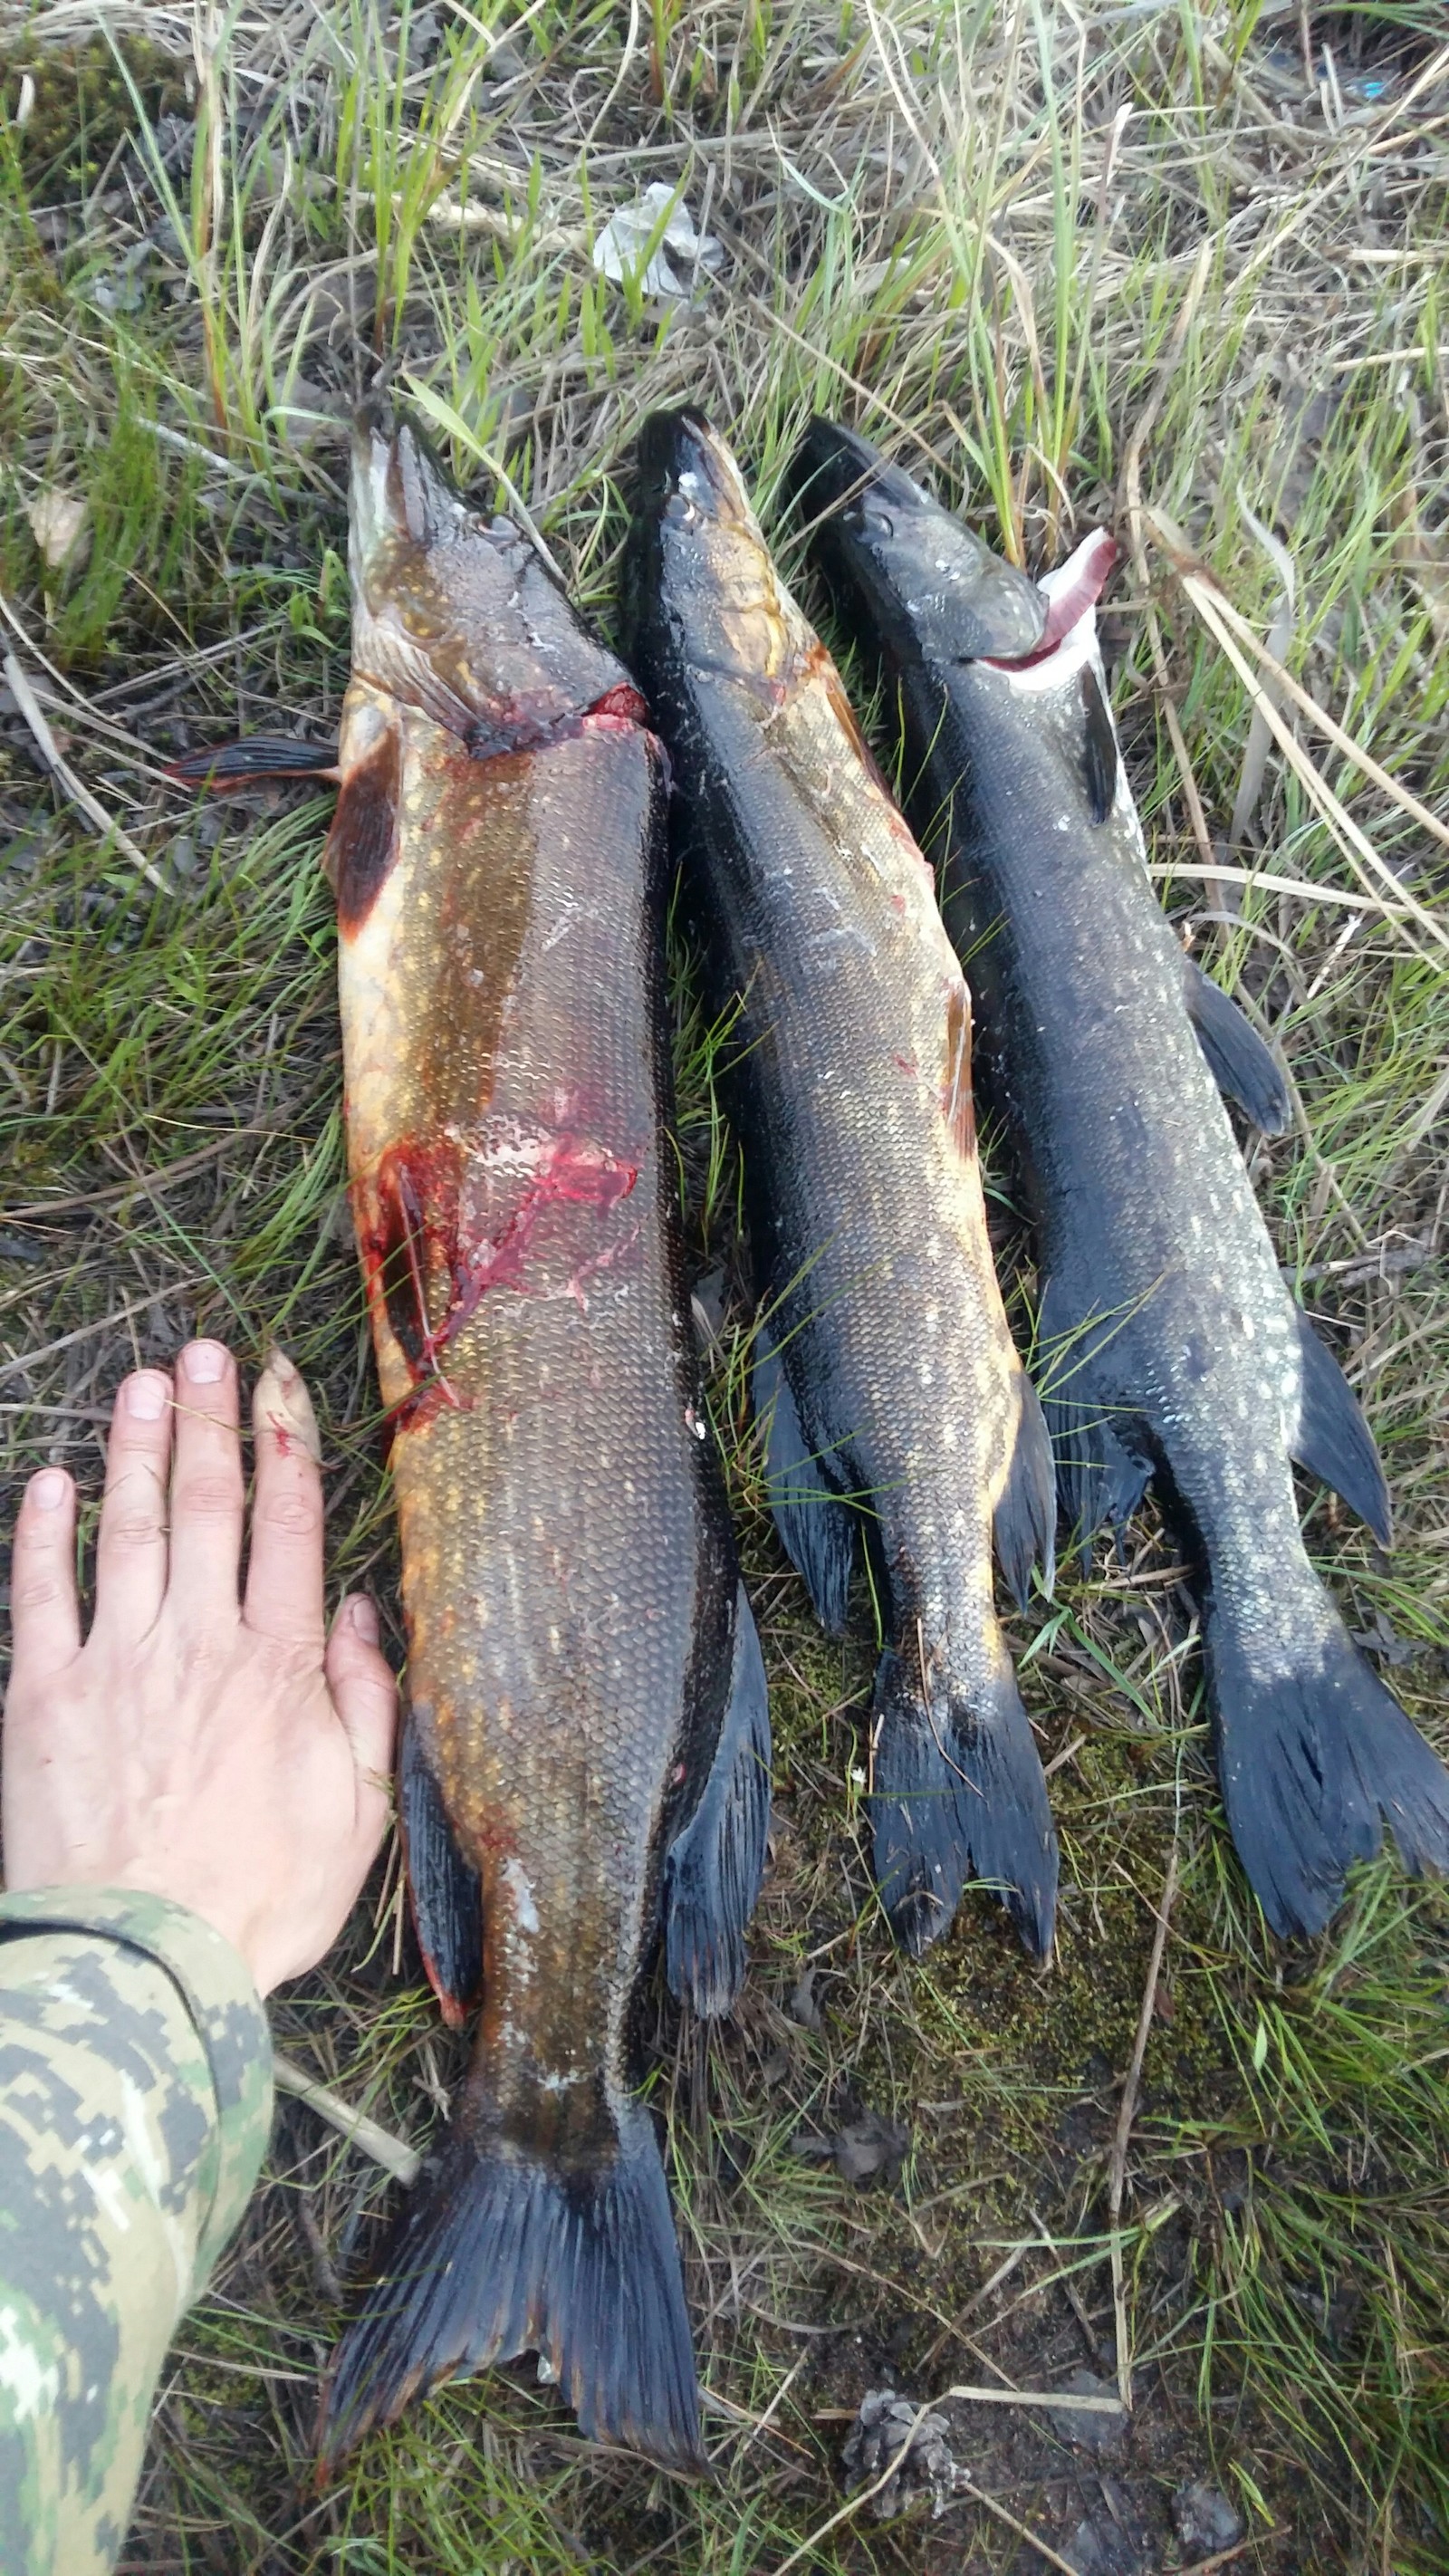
(898, 1411)
(1172, 1349)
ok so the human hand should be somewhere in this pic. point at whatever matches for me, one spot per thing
(225, 1752)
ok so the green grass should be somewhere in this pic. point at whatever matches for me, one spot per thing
(925, 226)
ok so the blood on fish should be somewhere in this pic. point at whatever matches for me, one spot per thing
(624, 702)
(420, 1239)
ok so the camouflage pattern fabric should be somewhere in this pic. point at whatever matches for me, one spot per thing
(135, 2101)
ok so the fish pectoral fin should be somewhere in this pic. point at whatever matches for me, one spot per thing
(446, 1891)
(1025, 1525)
(1333, 1441)
(714, 1865)
(817, 1530)
(957, 1791)
(1241, 1063)
(257, 755)
(1101, 1475)
(500, 2251)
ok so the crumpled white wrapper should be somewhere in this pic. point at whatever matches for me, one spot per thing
(625, 237)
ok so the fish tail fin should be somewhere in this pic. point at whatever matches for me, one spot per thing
(1314, 1757)
(957, 1792)
(501, 2251)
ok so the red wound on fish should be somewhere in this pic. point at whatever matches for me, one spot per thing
(625, 702)
(362, 843)
(957, 1107)
(433, 1246)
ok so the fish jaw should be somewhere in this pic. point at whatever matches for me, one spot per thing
(459, 616)
(928, 581)
(696, 544)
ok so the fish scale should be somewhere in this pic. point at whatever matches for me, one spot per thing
(586, 1744)
(896, 1409)
(1171, 1348)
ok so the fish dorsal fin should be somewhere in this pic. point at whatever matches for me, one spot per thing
(447, 1894)
(816, 1529)
(714, 1866)
(1332, 1439)
(1241, 1064)
(1099, 748)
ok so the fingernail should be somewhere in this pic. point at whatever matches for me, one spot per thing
(147, 1396)
(204, 1362)
(48, 1491)
(282, 1406)
(363, 1614)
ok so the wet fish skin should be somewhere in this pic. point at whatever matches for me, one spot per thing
(1172, 1349)
(897, 1409)
(586, 1744)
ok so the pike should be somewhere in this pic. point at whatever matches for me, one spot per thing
(897, 1413)
(586, 1746)
(1173, 1349)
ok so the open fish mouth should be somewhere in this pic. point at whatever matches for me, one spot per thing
(400, 496)
(1071, 594)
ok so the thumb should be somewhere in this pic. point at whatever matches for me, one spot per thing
(364, 1694)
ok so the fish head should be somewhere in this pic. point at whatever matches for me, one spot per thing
(924, 581)
(456, 613)
(700, 584)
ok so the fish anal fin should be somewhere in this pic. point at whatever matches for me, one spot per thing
(713, 1868)
(363, 841)
(817, 1530)
(1101, 1474)
(446, 1891)
(1025, 1526)
(1241, 1064)
(500, 2251)
(1333, 1441)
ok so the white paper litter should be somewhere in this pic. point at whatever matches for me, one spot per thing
(626, 237)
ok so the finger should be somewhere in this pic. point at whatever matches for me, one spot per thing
(206, 1486)
(284, 1577)
(44, 1616)
(131, 1553)
(364, 1693)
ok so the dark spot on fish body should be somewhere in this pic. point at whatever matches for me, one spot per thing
(363, 841)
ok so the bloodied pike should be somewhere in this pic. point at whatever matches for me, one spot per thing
(586, 1743)
(897, 1409)
(1171, 1348)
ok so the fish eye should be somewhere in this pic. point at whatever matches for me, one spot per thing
(872, 520)
(679, 512)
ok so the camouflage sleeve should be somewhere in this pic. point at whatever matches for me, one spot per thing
(135, 2100)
